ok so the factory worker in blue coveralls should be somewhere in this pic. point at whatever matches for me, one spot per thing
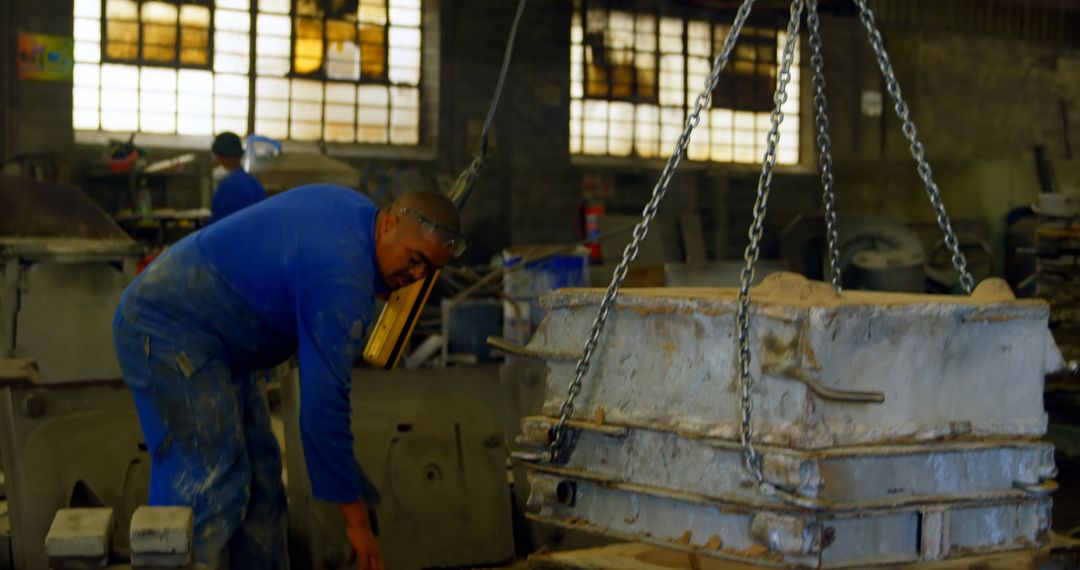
(296, 273)
(236, 188)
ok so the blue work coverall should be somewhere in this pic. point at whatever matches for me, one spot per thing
(292, 274)
(235, 192)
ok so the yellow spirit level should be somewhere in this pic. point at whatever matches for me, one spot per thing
(396, 323)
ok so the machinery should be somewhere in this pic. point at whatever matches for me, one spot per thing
(63, 266)
(432, 443)
(71, 444)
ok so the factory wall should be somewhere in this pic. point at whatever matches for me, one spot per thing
(981, 104)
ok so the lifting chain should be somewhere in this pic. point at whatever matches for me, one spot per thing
(742, 319)
(559, 446)
(917, 151)
(751, 457)
(824, 143)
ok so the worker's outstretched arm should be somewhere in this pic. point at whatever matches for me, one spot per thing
(332, 318)
(361, 537)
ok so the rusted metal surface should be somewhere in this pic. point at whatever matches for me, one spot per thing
(786, 538)
(839, 479)
(943, 366)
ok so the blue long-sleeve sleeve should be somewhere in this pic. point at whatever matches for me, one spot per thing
(332, 318)
(236, 191)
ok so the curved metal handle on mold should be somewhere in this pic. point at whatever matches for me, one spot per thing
(850, 396)
(1040, 489)
(515, 349)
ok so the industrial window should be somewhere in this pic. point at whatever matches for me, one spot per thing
(343, 71)
(635, 74)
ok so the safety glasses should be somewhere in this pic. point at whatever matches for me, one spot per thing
(453, 240)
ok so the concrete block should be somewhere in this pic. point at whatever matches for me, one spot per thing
(161, 537)
(80, 536)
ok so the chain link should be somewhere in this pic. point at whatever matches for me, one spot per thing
(558, 440)
(750, 455)
(824, 143)
(917, 151)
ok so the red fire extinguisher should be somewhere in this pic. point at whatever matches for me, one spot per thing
(587, 229)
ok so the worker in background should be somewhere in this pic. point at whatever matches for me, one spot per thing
(296, 273)
(236, 188)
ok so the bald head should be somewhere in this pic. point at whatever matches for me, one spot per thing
(433, 206)
(415, 236)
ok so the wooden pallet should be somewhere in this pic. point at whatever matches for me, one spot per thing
(1062, 553)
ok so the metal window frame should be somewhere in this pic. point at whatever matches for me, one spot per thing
(684, 14)
(139, 59)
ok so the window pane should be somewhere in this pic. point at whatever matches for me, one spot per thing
(197, 16)
(342, 51)
(86, 75)
(308, 52)
(275, 6)
(120, 76)
(340, 123)
(697, 38)
(121, 29)
(229, 63)
(404, 66)
(194, 35)
(311, 8)
(87, 30)
(373, 12)
(671, 31)
(194, 124)
(231, 43)
(621, 129)
(271, 25)
(89, 52)
(196, 82)
(305, 131)
(231, 21)
(405, 12)
(645, 33)
(671, 80)
(273, 129)
(647, 131)
(85, 98)
(119, 120)
(159, 22)
(404, 37)
(232, 4)
(121, 10)
(405, 97)
(575, 125)
(230, 103)
(372, 52)
(120, 100)
(373, 96)
(594, 140)
(85, 119)
(88, 9)
(405, 135)
(372, 114)
(340, 93)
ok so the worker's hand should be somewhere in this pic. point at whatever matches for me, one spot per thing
(358, 529)
(368, 555)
